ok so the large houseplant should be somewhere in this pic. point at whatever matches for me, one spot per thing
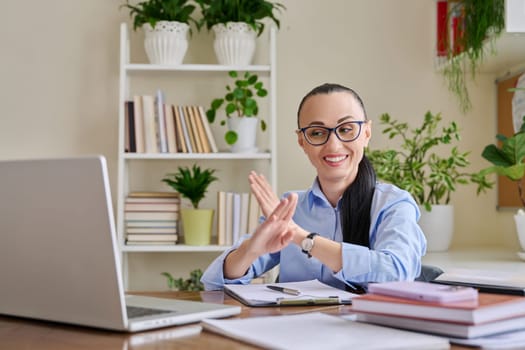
(236, 24)
(241, 107)
(508, 160)
(166, 24)
(478, 21)
(420, 167)
(193, 184)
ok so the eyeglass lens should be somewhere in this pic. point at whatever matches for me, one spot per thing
(346, 132)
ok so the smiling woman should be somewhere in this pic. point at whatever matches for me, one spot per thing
(346, 230)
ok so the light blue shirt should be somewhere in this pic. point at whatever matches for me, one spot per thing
(396, 244)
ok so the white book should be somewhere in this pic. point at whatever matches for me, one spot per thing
(245, 204)
(236, 216)
(229, 218)
(221, 218)
(150, 127)
(160, 119)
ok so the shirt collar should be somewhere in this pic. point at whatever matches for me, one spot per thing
(315, 195)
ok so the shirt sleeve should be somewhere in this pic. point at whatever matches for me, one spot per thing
(396, 247)
(213, 277)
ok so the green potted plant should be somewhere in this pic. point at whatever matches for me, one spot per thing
(193, 185)
(166, 24)
(430, 176)
(508, 160)
(241, 110)
(236, 24)
(193, 283)
(480, 21)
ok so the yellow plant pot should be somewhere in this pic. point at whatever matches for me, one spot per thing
(197, 224)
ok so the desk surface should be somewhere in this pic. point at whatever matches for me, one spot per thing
(16, 333)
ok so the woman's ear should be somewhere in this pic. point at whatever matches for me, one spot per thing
(368, 132)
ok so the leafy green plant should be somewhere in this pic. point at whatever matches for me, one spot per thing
(193, 283)
(429, 177)
(240, 101)
(508, 159)
(251, 12)
(484, 20)
(191, 183)
(152, 11)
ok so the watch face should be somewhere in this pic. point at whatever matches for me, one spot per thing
(307, 244)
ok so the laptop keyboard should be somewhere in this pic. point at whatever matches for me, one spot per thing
(135, 311)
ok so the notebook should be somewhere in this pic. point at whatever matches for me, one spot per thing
(59, 259)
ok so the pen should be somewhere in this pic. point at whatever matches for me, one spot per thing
(285, 290)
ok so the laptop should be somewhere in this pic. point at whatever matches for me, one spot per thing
(59, 259)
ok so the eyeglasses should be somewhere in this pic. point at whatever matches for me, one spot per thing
(317, 135)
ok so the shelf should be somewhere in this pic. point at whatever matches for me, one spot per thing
(173, 248)
(134, 67)
(192, 156)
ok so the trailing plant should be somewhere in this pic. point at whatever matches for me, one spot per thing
(251, 12)
(240, 101)
(152, 11)
(508, 159)
(191, 183)
(193, 283)
(481, 21)
(417, 168)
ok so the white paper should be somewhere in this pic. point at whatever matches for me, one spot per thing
(313, 289)
(320, 331)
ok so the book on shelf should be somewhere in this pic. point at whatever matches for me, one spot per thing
(236, 217)
(151, 215)
(151, 230)
(221, 219)
(139, 123)
(160, 121)
(153, 194)
(154, 200)
(245, 205)
(150, 124)
(207, 130)
(170, 224)
(200, 130)
(488, 308)
(129, 126)
(194, 129)
(151, 243)
(185, 131)
(254, 213)
(171, 132)
(181, 138)
(237, 214)
(228, 218)
(449, 329)
(152, 237)
(130, 206)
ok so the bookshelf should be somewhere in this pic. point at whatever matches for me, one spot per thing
(132, 76)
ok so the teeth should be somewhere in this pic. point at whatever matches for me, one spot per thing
(335, 159)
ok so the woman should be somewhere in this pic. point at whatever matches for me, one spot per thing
(347, 229)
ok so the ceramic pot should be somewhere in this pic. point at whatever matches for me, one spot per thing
(196, 226)
(167, 43)
(234, 43)
(520, 229)
(438, 227)
(246, 129)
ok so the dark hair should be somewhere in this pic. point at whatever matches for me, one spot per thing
(356, 201)
(327, 88)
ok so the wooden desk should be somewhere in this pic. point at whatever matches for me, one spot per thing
(17, 333)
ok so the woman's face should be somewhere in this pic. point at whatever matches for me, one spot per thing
(335, 161)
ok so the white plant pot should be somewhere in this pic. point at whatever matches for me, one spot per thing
(438, 227)
(167, 43)
(234, 43)
(520, 229)
(246, 129)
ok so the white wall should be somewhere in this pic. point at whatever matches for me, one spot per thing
(59, 91)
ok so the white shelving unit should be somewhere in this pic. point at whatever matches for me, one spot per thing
(129, 71)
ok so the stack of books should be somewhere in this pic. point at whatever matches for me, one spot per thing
(237, 214)
(487, 315)
(151, 218)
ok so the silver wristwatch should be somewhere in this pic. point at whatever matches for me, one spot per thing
(308, 243)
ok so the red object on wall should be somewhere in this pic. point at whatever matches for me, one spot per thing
(442, 28)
